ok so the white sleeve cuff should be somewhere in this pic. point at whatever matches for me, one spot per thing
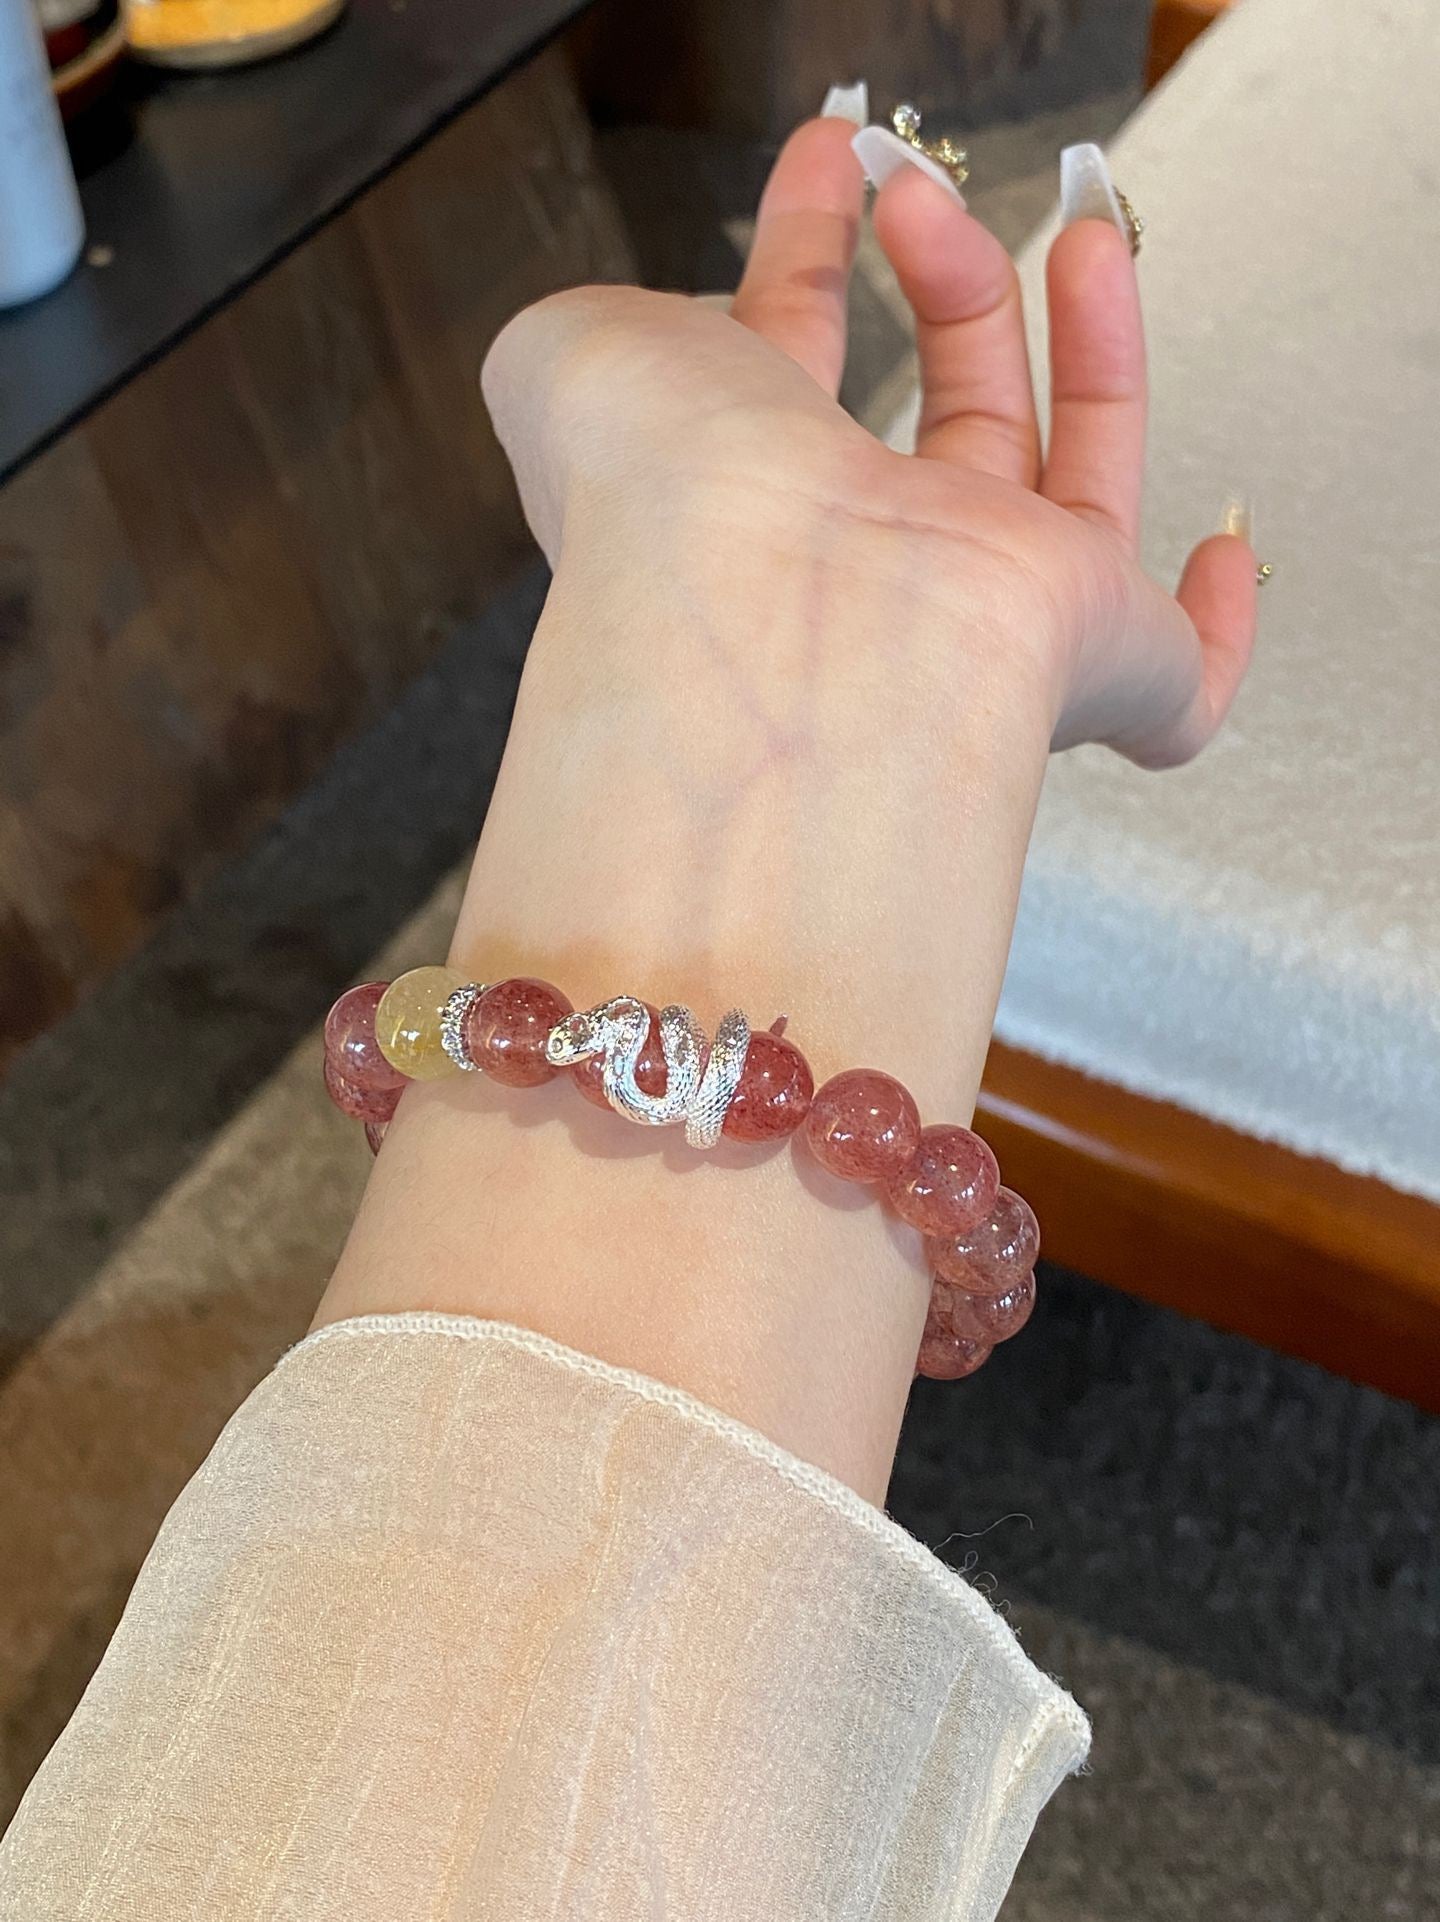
(457, 1624)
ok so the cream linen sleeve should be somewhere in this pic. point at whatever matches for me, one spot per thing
(455, 1625)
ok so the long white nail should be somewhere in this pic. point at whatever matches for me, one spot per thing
(882, 153)
(848, 103)
(1238, 517)
(1086, 190)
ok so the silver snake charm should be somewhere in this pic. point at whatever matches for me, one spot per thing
(697, 1091)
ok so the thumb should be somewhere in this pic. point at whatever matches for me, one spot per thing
(518, 379)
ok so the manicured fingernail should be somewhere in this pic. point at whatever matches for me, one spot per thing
(882, 153)
(1086, 190)
(1238, 517)
(848, 103)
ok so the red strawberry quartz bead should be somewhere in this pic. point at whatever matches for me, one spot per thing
(507, 1027)
(987, 1318)
(775, 1092)
(998, 1317)
(948, 1353)
(358, 1078)
(948, 1184)
(863, 1125)
(991, 1256)
(946, 1356)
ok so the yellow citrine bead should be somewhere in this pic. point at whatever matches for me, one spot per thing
(407, 1022)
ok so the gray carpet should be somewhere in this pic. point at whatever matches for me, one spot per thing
(1232, 1559)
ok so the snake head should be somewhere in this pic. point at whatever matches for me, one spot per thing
(615, 1027)
(574, 1039)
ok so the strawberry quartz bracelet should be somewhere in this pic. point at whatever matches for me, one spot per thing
(660, 1069)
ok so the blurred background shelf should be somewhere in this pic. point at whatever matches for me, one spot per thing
(195, 184)
(273, 510)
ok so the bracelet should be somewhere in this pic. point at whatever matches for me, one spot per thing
(658, 1068)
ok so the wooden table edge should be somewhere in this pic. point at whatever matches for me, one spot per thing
(1287, 1249)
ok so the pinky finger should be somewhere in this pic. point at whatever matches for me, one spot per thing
(1218, 591)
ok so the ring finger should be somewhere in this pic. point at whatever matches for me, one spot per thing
(1096, 460)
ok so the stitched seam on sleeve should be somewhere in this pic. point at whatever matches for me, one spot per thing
(1050, 1701)
(1076, 1725)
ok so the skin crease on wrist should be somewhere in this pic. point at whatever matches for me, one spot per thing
(779, 744)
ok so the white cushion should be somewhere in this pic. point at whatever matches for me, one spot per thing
(1257, 937)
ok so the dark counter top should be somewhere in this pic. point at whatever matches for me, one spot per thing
(196, 184)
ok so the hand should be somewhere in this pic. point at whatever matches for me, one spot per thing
(614, 405)
(778, 744)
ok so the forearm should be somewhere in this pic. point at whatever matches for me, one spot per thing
(759, 853)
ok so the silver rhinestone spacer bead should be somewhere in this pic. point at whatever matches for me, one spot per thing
(452, 1024)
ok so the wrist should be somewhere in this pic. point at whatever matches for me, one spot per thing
(804, 555)
(766, 797)
(694, 805)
